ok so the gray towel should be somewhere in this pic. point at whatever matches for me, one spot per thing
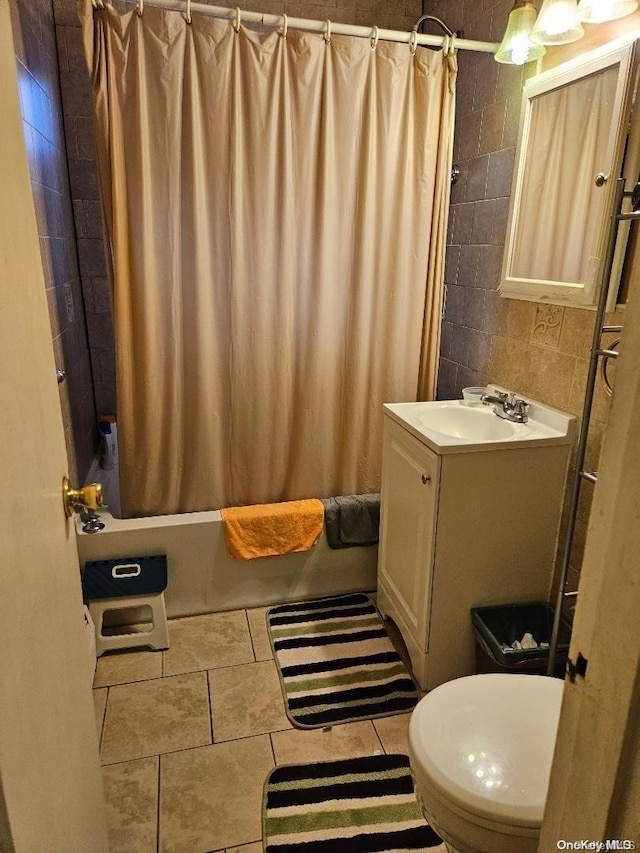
(352, 520)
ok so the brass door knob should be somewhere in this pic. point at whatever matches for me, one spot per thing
(89, 496)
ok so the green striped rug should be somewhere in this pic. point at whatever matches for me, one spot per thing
(361, 805)
(337, 663)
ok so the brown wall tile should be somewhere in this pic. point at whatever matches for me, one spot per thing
(38, 76)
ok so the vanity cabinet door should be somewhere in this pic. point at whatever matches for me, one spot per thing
(410, 480)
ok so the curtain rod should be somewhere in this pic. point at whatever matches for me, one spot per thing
(269, 20)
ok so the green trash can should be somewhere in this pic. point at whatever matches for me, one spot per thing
(496, 629)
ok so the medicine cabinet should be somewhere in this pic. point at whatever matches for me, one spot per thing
(574, 137)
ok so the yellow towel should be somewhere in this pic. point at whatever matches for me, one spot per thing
(265, 530)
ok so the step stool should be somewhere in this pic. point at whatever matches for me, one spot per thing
(123, 584)
(155, 638)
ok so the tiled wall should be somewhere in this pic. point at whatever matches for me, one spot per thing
(76, 98)
(81, 148)
(35, 47)
(539, 350)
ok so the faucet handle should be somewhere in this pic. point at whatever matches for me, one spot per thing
(520, 406)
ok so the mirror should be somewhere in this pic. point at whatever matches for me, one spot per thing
(572, 135)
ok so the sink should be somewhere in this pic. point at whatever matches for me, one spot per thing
(453, 426)
(473, 423)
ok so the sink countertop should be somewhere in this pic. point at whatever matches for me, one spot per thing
(546, 426)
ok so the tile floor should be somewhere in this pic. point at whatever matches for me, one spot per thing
(188, 736)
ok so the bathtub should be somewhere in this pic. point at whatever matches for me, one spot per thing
(204, 579)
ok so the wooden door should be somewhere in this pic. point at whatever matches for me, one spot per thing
(50, 784)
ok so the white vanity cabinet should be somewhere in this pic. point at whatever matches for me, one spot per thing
(462, 526)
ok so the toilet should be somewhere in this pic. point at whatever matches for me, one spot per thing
(481, 749)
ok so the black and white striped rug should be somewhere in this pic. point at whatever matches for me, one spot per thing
(337, 663)
(362, 805)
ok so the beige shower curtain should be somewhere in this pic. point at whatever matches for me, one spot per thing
(276, 214)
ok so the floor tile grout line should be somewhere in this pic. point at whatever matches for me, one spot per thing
(186, 749)
(232, 665)
(103, 726)
(254, 734)
(373, 723)
(253, 647)
(273, 749)
(163, 677)
(159, 801)
(133, 681)
(210, 705)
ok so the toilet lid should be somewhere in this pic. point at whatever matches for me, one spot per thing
(485, 743)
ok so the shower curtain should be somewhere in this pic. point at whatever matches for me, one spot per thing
(276, 212)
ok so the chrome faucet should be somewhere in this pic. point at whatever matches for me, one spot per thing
(90, 518)
(507, 406)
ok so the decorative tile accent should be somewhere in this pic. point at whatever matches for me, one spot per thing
(124, 667)
(547, 325)
(211, 798)
(207, 642)
(259, 635)
(394, 733)
(153, 717)
(346, 741)
(131, 798)
(246, 700)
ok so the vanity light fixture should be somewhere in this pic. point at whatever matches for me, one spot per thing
(516, 47)
(557, 23)
(599, 11)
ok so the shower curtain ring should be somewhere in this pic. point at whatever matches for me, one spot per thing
(452, 45)
(97, 4)
(187, 17)
(140, 7)
(446, 45)
(236, 26)
(374, 38)
(413, 43)
(327, 32)
(285, 26)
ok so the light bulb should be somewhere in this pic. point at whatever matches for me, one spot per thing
(516, 47)
(557, 23)
(599, 11)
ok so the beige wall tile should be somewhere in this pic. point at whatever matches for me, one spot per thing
(544, 374)
(205, 642)
(211, 798)
(152, 717)
(246, 700)
(259, 634)
(517, 319)
(577, 331)
(548, 376)
(347, 741)
(100, 704)
(131, 798)
(601, 400)
(394, 733)
(507, 362)
(123, 667)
